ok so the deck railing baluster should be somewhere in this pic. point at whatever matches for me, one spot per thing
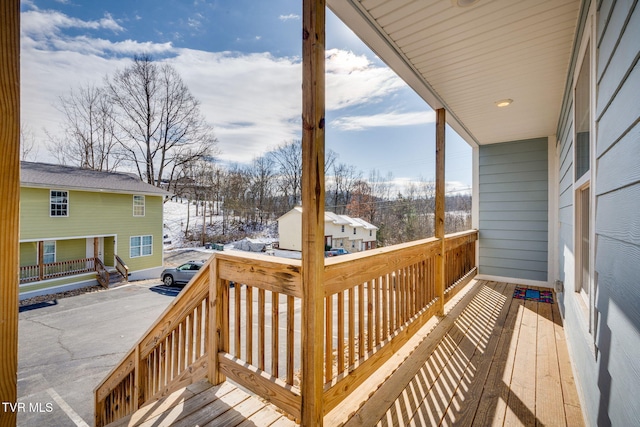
(390, 294)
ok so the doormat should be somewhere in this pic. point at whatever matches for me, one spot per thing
(533, 295)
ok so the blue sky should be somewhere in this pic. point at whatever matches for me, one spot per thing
(241, 59)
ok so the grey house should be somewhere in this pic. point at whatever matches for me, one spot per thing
(556, 175)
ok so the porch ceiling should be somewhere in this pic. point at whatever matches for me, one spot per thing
(467, 58)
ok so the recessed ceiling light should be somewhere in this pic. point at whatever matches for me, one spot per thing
(464, 3)
(503, 103)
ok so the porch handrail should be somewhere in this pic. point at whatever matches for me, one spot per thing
(377, 299)
(102, 274)
(172, 354)
(237, 319)
(122, 268)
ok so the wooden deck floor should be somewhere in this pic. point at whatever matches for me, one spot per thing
(499, 361)
(202, 404)
(492, 360)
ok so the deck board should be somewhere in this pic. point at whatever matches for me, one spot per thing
(501, 361)
(207, 405)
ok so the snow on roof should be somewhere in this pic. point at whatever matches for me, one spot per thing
(336, 219)
(365, 224)
(340, 219)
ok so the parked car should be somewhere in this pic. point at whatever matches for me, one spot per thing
(336, 252)
(181, 274)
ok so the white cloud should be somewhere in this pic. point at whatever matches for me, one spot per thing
(289, 17)
(352, 80)
(350, 123)
(43, 23)
(253, 100)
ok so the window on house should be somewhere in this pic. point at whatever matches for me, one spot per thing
(583, 117)
(140, 246)
(59, 203)
(343, 228)
(370, 233)
(49, 252)
(138, 205)
(583, 145)
(354, 231)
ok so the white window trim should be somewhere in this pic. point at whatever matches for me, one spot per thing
(55, 251)
(68, 203)
(141, 246)
(144, 205)
(587, 305)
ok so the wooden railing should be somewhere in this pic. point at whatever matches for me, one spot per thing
(34, 273)
(239, 319)
(460, 261)
(171, 355)
(122, 268)
(102, 275)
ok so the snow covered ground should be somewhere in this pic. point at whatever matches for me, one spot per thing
(175, 223)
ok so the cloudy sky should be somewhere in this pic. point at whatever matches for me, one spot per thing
(242, 60)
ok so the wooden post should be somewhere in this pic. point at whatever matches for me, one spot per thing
(439, 217)
(216, 322)
(313, 192)
(40, 260)
(96, 247)
(10, 206)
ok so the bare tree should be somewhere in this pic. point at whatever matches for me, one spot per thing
(262, 184)
(160, 125)
(28, 147)
(344, 178)
(88, 138)
(287, 158)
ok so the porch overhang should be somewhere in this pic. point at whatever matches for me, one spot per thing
(465, 59)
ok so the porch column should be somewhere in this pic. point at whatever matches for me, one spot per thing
(313, 191)
(40, 260)
(439, 214)
(10, 208)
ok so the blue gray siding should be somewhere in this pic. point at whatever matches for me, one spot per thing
(617, 224)
(514, 209)
(609, 376)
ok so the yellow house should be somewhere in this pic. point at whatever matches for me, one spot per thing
(77, 222)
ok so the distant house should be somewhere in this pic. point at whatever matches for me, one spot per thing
(341, 231)
(72, 220)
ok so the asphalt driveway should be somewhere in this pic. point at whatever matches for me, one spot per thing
(67, 346)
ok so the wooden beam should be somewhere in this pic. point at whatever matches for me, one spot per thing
(216, 331)
(10, 206)
(439, 217)
(41, 260)
(313, 192)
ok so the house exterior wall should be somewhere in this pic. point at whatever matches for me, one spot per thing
(67, 250)
(606, 353)
(290, 231)
(108, 215)
(513, 216)
(28, 253)
(333, 230)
